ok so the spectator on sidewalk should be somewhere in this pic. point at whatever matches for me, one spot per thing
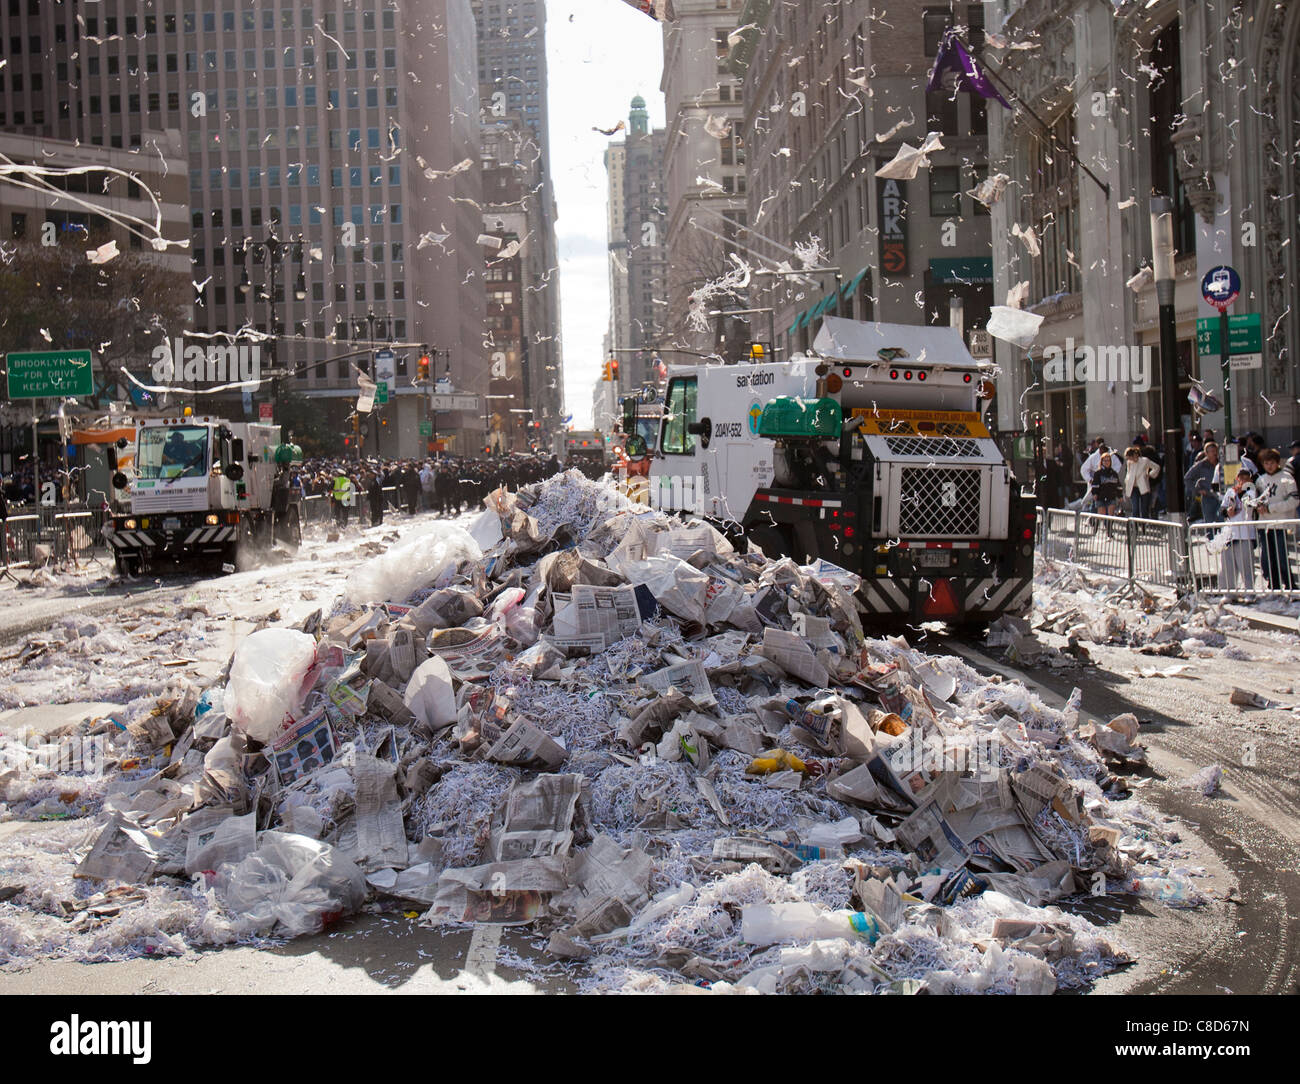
(1276, 499)
(1293, 464)
(1236, 567)
(1203, 483)
(1106, 486)
(1140, 474)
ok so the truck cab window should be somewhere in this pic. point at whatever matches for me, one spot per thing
(678, 414)
(172, 452)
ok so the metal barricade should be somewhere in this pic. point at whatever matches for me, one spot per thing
(57, 538)
(1138, 551)
(1249, 560)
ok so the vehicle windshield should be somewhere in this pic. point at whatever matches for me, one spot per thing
(648, 428)
(175, 452)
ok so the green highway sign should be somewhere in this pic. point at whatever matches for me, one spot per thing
(381, 391)
(426, 429)
(1245, 335)
(49, 374)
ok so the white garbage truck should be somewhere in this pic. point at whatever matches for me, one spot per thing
(870, 453)
(204, 491)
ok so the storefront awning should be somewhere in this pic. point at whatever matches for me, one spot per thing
(962, 270)
(851, 286)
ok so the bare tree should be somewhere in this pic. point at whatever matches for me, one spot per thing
(53, 298)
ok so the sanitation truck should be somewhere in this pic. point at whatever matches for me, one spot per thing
(585, 450)
(204, 491)
(870, 453)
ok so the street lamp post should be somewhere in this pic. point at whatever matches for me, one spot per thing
(274, 251)
(771, 322)
(1162, 258)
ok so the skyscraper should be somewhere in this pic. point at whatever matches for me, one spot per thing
(638, 257)
(303, 119)
(512, 77)
(704, 161)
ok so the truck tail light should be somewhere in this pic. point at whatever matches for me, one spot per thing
(232, 517)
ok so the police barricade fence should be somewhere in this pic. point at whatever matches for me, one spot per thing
(1139, 551)
(1247, 561)
(35, 539)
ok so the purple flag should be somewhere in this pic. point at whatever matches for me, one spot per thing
(952, 56)
(659, 10)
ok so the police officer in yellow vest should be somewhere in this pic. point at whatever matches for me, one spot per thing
(344, 495)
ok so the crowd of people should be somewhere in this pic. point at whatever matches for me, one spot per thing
(1265, 487)
(447, 485)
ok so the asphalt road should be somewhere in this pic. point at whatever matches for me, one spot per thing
(1248, 836)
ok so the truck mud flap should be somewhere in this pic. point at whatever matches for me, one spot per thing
(989, 596)
(202, 536)
(983, 597)
(130, 540)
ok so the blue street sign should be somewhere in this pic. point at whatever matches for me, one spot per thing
(1220, 286)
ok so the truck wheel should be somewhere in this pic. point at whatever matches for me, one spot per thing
(770, 540)
(243, 553)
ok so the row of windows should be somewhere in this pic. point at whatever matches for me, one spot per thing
(294, 136)
(294, 176)
(248, 20)
(377, 291)
(272, 58)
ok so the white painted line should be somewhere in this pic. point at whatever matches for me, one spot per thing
(481, 959)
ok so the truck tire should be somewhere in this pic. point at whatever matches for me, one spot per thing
(243, 551)
(771, 540)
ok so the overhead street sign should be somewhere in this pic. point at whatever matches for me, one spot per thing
(381, 392)
(49, 374)
(456, 402)
(426, 429)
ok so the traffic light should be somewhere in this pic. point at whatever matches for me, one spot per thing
(422, 366)
(613, 369)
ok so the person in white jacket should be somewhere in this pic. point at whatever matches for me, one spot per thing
(1139, 480)
(1276, 498)
(1236, 568)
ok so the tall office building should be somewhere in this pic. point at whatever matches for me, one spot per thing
(831, 94)
(298, 119)
(704, 162)
(637, 253)
(512, 75)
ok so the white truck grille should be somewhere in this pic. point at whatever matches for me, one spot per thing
(939, 501)
(934, 447)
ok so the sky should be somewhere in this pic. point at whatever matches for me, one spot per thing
(600, 54)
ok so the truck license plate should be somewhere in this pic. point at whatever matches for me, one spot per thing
(934, 558)
(171, 523)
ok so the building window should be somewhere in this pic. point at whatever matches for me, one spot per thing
(934, 21)
(945, 191)
(1053, 201)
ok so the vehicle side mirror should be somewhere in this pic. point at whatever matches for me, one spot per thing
(698, 429)
(237, 449)
(235, 472)
(122, 443)
(110, 457)
(120, 480)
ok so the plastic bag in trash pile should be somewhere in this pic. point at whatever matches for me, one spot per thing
(290, 885)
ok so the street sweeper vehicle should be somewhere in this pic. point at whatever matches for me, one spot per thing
(204, 491)
(870, 453)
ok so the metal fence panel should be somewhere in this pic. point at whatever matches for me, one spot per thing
(1259, 559)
